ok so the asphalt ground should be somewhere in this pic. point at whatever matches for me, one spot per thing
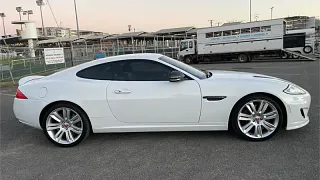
(27, 154)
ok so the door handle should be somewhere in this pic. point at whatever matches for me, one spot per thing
(118, 91)
(187, 50)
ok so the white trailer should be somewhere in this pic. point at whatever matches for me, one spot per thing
(241, 41)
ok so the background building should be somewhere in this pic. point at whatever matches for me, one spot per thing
(54, 32)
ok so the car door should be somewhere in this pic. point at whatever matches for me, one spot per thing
(144, 94)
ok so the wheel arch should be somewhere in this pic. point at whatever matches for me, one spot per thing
(275, 98)
(46, 108)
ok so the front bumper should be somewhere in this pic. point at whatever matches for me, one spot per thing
(27, 111)
(297, 107)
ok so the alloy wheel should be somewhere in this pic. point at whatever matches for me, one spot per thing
(64, 125)
(258, 119)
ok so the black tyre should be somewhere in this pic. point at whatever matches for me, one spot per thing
(195, 61)
(188, 60)
(243, 58)
(285, 55)
(65, 125)
(296, 56)
(256, 118)
(307, 49)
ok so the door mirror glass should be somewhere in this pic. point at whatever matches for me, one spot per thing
(176, 76)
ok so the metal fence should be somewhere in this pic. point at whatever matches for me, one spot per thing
(19, 66)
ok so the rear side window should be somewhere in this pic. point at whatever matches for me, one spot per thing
(105, 71)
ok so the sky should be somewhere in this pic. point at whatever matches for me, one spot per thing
(114, 16)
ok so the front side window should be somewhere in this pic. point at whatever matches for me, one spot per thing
(185, 67)
(146, 70)
(183, 46)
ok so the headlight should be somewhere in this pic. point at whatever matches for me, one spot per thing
(294, 90)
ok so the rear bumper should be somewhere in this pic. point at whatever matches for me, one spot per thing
(297, 110)
(28, 111)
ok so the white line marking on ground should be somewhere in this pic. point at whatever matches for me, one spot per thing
(12, 95)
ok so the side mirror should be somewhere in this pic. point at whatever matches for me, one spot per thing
(176, 76)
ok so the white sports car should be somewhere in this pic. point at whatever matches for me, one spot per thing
(152, 92)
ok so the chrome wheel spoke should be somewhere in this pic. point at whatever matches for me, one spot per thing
(66, 113)
(58, 135)
(75, 129)
(248, 127)
(270, 115)
(255, 131)
(75, 119)
(69, 136)
(56, 117)
(251, 108)
(263, 106)
(268, 126)
(53, 126)
(244, 117)
(259, 130)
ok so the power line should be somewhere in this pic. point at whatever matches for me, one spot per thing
(53, 14)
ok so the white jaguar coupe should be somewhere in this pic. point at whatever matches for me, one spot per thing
(152, 92)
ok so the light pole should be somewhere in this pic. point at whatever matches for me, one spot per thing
(19, 10)
(40, 3)
(271, 11)
(75, 9)
(250, 11)
(28, 13)
(4, 28)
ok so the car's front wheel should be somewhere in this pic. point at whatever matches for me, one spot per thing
(65, 125)
(257, 118)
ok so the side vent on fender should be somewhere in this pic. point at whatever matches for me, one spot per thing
(214, 98)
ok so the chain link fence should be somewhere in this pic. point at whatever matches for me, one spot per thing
(14, 67)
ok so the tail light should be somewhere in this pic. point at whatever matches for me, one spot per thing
(20, 95)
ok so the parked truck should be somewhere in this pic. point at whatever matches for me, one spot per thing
(241, 41)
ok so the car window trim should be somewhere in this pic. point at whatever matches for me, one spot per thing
(190, 76)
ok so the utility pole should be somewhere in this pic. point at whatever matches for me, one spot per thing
(4, 28)
(250, 11)
(211, 21)
(271, 11)
(75, 9)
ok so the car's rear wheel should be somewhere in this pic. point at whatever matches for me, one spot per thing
(257, 118)
(65, 125)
